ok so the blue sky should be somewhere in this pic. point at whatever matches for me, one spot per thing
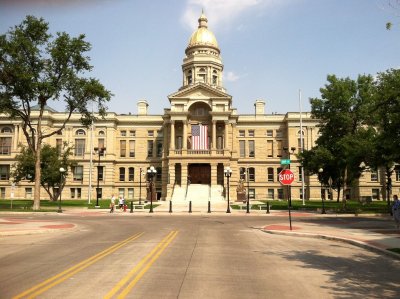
(270, 48)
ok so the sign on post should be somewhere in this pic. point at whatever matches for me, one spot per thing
(285, 161)
(286, 177)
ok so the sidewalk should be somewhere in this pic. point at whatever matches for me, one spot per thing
(375, 233)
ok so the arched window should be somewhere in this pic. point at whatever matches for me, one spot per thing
(202, 75)
(215, 77)
(101, 133)
(189, 77)
(121, 174)
(131, 174)
(80, 132)
(6, 130)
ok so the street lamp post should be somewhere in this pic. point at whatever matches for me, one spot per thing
(151, 172)
(140, 186)
(248, 191)
(320, 171)
(100, 151)
(228, 174)
(62, 171)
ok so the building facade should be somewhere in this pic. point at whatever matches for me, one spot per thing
(196, 138)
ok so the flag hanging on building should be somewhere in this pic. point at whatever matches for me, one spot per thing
(199, 137)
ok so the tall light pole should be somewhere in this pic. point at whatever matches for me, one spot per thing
(100, 151)
(320, 171)
(289, 152)
(248, 191)
(228, 174)
(151, 172)
(62, 171)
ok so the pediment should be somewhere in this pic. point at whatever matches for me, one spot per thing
(199, 92)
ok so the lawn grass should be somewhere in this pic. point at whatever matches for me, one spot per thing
(352, 206)
(21, 205)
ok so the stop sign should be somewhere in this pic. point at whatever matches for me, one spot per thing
(286, 177)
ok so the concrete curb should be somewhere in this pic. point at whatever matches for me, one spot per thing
(339, 239)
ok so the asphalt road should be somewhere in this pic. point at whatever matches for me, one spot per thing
(191, 256)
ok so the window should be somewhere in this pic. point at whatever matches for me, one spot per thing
(252, 174)
(242, 146)
(121, 174)
(122, 148)
(159, 149)
(375, 194)
(130, 193)
(150, 133)
(101, 133)
(159, 173)
(80, 132)
(79, 147)
(2, 192)
(270, 148)
(300, 174)
(189, 77)
(78, 173)
(149, 148)
(59, 145)
(123, 133)
(374, 175)
(242, 172)
(252, 193)
(251, 149)
(179, 142)
(131, 148)
(76, 193)
(121, 192)
(132, 133)
(28, 192)
(279, 133)
(277, 173)
(251, 133)
(131, 174)
(270, 194)
(279, 148)
(6, 130)
(270, 133)
(100, 173)
(270, 174)
(215, 77)
(397, 173)
(5, 145)
(280, 193)
(4, 172)
(241, 133)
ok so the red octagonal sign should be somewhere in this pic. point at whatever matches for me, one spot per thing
(286, 177)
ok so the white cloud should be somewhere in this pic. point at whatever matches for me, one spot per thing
(231, 77)
(223, 11)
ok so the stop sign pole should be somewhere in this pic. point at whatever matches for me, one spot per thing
(286, 177)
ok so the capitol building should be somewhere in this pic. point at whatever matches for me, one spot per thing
(199, 135)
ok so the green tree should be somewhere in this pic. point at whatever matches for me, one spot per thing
(344, 133)
(51, 162)
(36, 69)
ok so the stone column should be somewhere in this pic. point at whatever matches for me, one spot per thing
(214, 134)
(165, 140)
(172, 140)
(226, 139)
(185, 125)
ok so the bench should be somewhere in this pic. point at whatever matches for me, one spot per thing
(264, 207)
(138, 207)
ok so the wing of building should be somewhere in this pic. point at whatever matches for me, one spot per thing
(199, 134)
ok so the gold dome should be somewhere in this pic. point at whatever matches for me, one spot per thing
(202, 36)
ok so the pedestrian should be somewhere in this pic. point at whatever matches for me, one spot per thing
(112, 203)
(121, 202)
(396, 210)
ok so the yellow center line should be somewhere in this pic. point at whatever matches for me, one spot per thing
(152, 256)
(47, 284)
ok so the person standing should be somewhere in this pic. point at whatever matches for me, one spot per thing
(112, 204)
(396, 210)
(121, 202)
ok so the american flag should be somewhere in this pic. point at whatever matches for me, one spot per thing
(199, 137)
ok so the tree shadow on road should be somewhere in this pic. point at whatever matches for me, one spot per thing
(358, 276)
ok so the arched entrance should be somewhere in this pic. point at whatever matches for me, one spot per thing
(200, 173)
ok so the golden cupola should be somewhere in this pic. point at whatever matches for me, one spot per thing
(202, 36)
(202, 63)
